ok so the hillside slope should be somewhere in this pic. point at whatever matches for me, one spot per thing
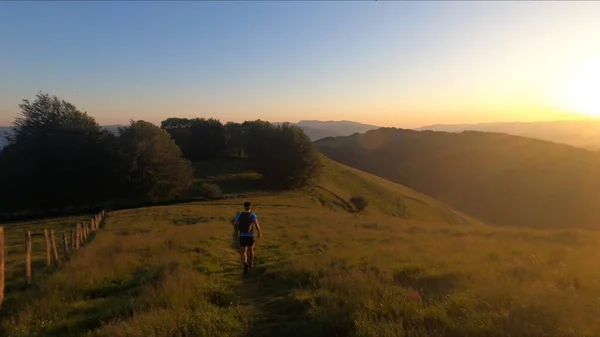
(336, 184)
(339, 182)
(498, 178)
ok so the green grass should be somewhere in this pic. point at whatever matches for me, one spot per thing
(339, 182)
(230, 175)
(16, 283)
(320, 271)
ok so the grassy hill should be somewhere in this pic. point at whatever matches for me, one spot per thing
(333, 190)
(339, 182)
(320, 271)
(499, 178)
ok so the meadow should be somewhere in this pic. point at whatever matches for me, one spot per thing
(407, 266)
(174, 270)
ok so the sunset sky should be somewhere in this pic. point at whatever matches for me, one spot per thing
(402, 64)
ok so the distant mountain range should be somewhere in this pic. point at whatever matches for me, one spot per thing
(3, 131)
(113, 128)
(580, 133)
(316, 130)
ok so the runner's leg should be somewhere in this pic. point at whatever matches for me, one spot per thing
(243, 251)
(251, 255)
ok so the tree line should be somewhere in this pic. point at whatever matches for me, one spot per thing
(59, 159)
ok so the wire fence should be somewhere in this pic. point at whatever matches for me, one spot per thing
(21, 256)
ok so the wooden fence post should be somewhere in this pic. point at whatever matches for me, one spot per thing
(28, 256)
(66, 245)
(2, 264)
(48, 257)
(72, 240)
(78, 241)
(56, 261)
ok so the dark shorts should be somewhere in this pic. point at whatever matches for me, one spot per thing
(246, 241)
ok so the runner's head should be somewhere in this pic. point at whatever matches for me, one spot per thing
(247, 205)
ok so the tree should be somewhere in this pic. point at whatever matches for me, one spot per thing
(255, 138)
(56, 156)
(283, 154)
(12, 198)
(172, 123)
(234, 139)
(207, 139)
(179, 129)
(153, 168)
(200, 139)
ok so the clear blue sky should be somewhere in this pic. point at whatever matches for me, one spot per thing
(388, 63)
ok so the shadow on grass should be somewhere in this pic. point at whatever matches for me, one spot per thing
(430, 286)
(280, 312)
(102, 311)
(116, 299)
(112, 300)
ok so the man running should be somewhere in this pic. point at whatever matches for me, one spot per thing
(244, 223)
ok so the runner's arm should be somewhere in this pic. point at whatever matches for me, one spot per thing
(257, 227)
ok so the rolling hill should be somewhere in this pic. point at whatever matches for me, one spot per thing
(580, 133)
(336, 184)
(339, 182)
(319, 270)
(499, 178)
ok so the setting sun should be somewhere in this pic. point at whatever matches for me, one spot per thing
(580, 91)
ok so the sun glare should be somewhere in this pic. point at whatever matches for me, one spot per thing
(580, 92)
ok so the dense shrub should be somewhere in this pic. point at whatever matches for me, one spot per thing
(211, 191)
(359, 202)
